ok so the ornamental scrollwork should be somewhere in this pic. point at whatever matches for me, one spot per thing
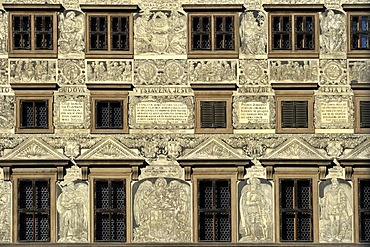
(71, 71)
(4, 72)
(109, 70)
(253, 33)
(6, 111)
(212, 71)
(294, 71)
(162, 211)
(333, 32)
(5, 211)
(30, 70)
(160, 32)
(71, 33)
(3, 32)
(253, 72)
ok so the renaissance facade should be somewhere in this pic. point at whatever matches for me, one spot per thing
(195, 121)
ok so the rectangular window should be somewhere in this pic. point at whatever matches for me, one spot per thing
(364, 209)
(365, 114)
(362, 111)
(110, 210)
(214, 210)
(33, 34)
(109, 114)
(360, 32)
(34, 210)
(213, 114)
(34, 114)
(109, 34)
(296, 212)
(294, 114)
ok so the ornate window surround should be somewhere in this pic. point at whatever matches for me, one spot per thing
(33, 10)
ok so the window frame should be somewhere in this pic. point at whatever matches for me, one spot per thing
(34, 96)
(33, 10)
(360, 95)
(356, 53)
(304, 95)
(272, 53)
(215, 174)
(213, 96)
(44, 175)
(109, 53)
(109, 96)
(111, 174)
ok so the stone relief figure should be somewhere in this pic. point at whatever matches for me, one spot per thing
(253, 33)
(336, 213)
(256, 212)
(333, 36)
(359, 71)
(162, 212)
(71, 27)
(212, 71)
(109, 71)
(3, 32)
(72, 207)
(302, 71)
(5, 209)
(32, 71)
(161, 32)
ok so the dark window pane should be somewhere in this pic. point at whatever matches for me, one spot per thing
(43, 32)
(119, 33)
(201, 32)
(364, 209)
(98, 31)
(294, 114)
(21, 32)
(224, 33)
(360, 32)
(109, 115)
(364, 114)
(213, 114)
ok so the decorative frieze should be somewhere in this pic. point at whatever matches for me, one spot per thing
(256, 214)
(3, 32)
(71, 33)
(253, 33)
(212, 70)
(162, 211)
(32, 70)
(161, 112)
(359, 71)
(333, 39)
(160, 72)
(300, 71)
(160, 32)
(253, 72)
(71, 71)
(336, 213)
(254, 112)
(118, 71)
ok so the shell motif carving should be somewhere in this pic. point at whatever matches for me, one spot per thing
(162, 211)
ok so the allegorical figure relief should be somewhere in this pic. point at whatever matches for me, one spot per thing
(256, 212)
(71, 33)
(5, 207)
(336, 213)
(72, 206)
(162, 212)
(253, 33)
(332, 38)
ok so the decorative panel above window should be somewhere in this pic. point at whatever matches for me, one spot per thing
(33, 30)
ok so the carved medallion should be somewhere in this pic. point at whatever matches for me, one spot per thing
(71, 71)
(333, 72)
(253, 72)
(162, 211)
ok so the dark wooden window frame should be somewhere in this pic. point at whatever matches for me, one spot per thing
(109, 13)
(111, 210)
(362, 210)
(293, 52)
(33, 11)
(213, 96)
(359, 97)
(110, 96)
(35, 96)
(304, 95)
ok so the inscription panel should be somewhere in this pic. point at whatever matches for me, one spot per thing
(254, 112)
(71, 112)
(334, 112)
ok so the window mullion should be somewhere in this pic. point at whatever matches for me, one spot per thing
(108, 37)
(33, 33)
(213, 33)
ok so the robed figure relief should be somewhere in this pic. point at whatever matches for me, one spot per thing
(256, 215)
(162, 211)
(72, 207)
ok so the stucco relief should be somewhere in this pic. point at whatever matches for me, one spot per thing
(212, 70)
(5, 210)
(162, 167)
(73, 208)
(294, 70)
(253, 4)
(162, 211)
(7, 111)
(161, 112)
(3, 32)
(4, 72)
(333, 72)
(253, 33)
(256, 211)
(333, 4)
(359, 71)
(71, 111)
(160, 32)
(160, 72)
(31, 70)
(71, 33)
(109, 70)
(335, 222)
(253, 72)
(254, 112)
(334, 111)
(333, 33)
(71, 71)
